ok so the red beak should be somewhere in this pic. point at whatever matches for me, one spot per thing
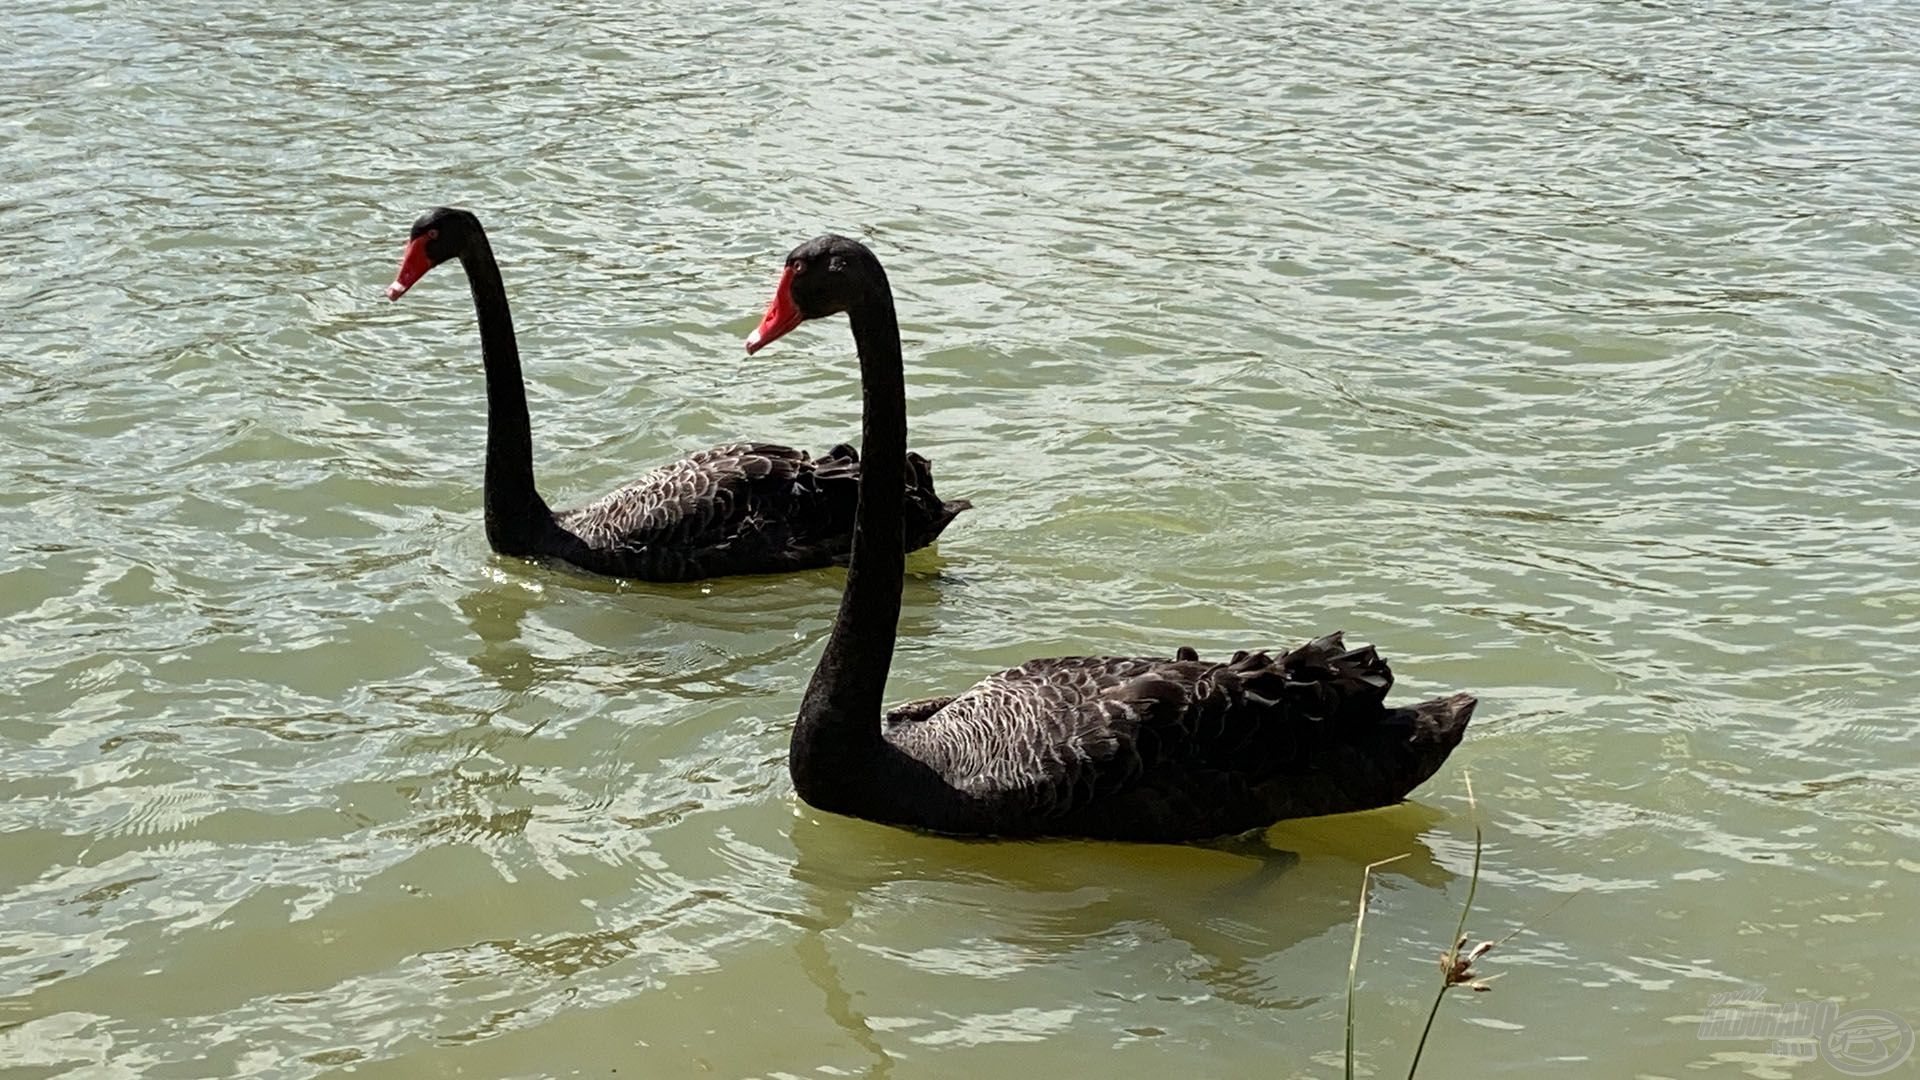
(782, 315)
(413, 263)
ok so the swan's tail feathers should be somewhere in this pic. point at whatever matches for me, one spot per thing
(1344, 749)
(1414, 741)
(1378, 760)
(1441, 723)
(927, 514)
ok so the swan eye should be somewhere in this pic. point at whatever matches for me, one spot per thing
(433, 234)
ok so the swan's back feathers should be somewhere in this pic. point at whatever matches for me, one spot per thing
(911, 712)
(743, 508)
(1174, 749)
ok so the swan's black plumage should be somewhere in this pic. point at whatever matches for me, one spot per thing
(747, 508)
(743, 508)
(1125, 748)
(1148, 748)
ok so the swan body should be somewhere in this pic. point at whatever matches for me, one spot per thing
(1176, 748)
(744, 508)
(1125, 748)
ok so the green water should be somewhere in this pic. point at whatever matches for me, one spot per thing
(1565, 350)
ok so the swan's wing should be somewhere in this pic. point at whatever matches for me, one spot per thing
(1051, 735)
(742, 508)
(1141, 744)
(741, 501)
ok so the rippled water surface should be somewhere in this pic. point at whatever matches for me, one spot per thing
(1566, 350)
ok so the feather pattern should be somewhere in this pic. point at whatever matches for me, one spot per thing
(744, 508)
(1147, 748)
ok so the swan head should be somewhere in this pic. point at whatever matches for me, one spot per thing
(441, 234)
(824, 276)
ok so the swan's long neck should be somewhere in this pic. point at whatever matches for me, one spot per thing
(516, 515)
(838, 731)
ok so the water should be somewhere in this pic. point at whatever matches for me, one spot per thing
(1563, 349)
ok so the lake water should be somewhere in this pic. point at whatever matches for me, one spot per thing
(1565, 350)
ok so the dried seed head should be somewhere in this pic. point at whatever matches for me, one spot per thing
(1457, 966)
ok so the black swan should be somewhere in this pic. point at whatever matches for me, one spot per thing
(748, 508)
(1123, 748)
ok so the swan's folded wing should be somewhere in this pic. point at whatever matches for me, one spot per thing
(743, 508)
(1051, 736)
(1150, 746)
(744, 493)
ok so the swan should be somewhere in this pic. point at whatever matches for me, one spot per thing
(1161, 749)
(743, 508)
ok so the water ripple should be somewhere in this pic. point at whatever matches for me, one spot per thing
(1563, 349)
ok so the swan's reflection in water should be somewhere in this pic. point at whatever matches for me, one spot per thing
(496, 615)
(1230, 908)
